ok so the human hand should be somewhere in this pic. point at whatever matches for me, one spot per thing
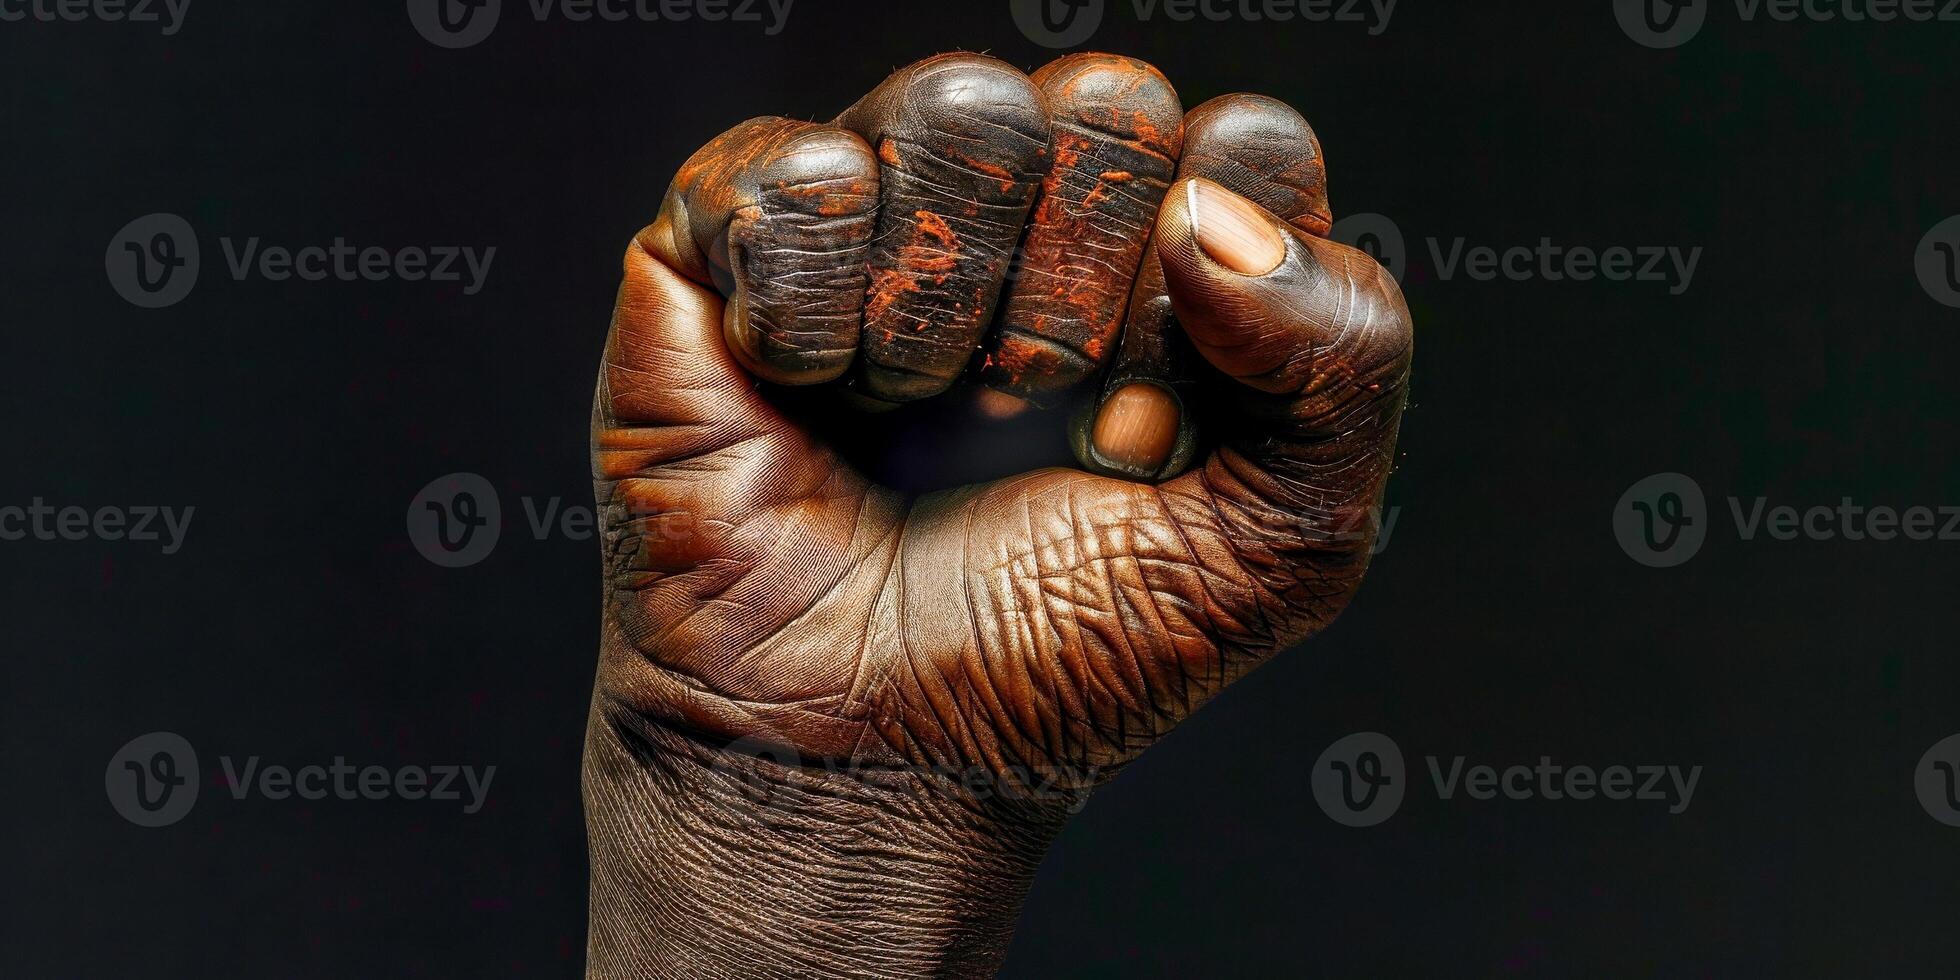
(927, 684)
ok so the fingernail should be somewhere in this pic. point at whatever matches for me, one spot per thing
(1232, 231)
(1136, 427)
(1000, 405)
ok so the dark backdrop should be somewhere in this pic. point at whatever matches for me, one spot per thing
(1503, 622)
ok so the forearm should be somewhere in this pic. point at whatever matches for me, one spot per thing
(707, 862)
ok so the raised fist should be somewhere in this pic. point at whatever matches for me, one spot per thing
(837, 720)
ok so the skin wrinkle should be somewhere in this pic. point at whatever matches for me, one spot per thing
(1115, 687)
(996, 705)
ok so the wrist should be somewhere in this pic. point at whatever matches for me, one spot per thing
(741, 861)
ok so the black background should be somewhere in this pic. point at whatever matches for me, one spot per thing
(1502, 622)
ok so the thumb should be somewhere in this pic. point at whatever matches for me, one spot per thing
(1284, 313)
(1317, 341)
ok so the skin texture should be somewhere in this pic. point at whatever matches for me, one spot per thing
(1118, 129)
(962, 143)
(835, 724)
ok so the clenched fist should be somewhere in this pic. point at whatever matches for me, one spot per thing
(836, 721)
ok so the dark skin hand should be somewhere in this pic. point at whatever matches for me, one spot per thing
(837, 722)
